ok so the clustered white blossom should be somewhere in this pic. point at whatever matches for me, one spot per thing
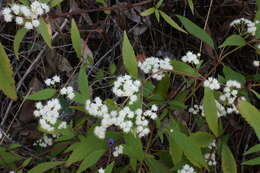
(256, 63)
(154, 65)
(211, 156)
(186, 169)
(68, 91)
(250, 26)
(52, 81)
(212, 83)
(230, 95)
(101, 170)
(118, 150)
(124, 86)
(28, 16)
(44, 142)
(125, 118)
(191, 58)
(49, 114)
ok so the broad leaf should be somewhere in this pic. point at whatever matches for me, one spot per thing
(42, 95)
(43, 29)
(184, 69)
(129, 58)
(133, 147)
(18, 39)
(75, 38)
(233, 40)
(196, 31)
(228, 162)
(233, 75)
(156, 166)
(202, 139)
(7, 83)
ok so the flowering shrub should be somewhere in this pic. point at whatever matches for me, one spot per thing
(168, 112)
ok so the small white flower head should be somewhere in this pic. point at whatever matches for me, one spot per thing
(8, 17)
(19, 20)
(191, 58)
(69, 92)
(101, 170)
(186, 169)
(44, 142)
(6, 11)
(118, 150)
(12, 172)
(256, 63)
(48, 82)
(100, 132)
(212, 83)
(246, 24)
(16, 9)
(63, 125)
(25, 11)
(28, 25)
(35, 23)
(154, 65)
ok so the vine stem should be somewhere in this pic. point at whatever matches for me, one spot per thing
(117, 7)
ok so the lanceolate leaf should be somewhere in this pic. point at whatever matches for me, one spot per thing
(228, 162)
(7, 83)
(233, 40)
(83, 82)
(184, 68)
(42, 95)
(43, 167)
(191, 5)
(43, 29)
(251, 115)
(171, 22)
(254, 161)
(129, 58)
(233, 75)
(196, 31)
(75, 37)
(18, 39)
(148, 12)
(210, 109)
(253, 149)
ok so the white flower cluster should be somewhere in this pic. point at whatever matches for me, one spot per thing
(186, 169)
(191, 58)
(251, 26)
(101, 170)
(26, 16)
(124, 86)
(154, 65)
(44, 142)
(212, 83)
(256, 63)
(49, 114)
(68, 91)
(124, 118)
(118, 150)
(211, 156)
(52, 81)
(230, 95)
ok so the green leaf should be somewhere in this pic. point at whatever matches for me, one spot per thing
(133, 147)
(175, 104)
(148, 12)
(42, 95)
(233, 40)
(26, 162)
(157, 15)
(184, 68)
(90, 160)
(256, 94)
(163, 86)
(191, 150)
(191, 5)
(196, 31)
(255, 161)
(7, 83)
(83, 82)
(233, 75)
(7, 159)
(75, 37)
(159, 3)
(251, 115)
(18, 39)
(42, 167)
(228, 162)
(253, 149)
(129, 58)
(43, 29)
(55, 3)
(171, 22)
(109, 168)
(202, 139)
(209, 105)
(156, 166)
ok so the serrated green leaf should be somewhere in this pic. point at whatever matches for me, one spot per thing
(196, 31)
(210, 109)
(90, 160)
(171, 22)
(184, 68)
(83, 82)
(75, 38)
(251, 115)
(254, 161)
(228, 162)
(42, 95)
(43, 29)
(42, 167)
(129, 58)
(202, 139)
(233, 75)
(148, 12)
(233, 40)
(7, 83)
(253, 149)
(18, 39)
